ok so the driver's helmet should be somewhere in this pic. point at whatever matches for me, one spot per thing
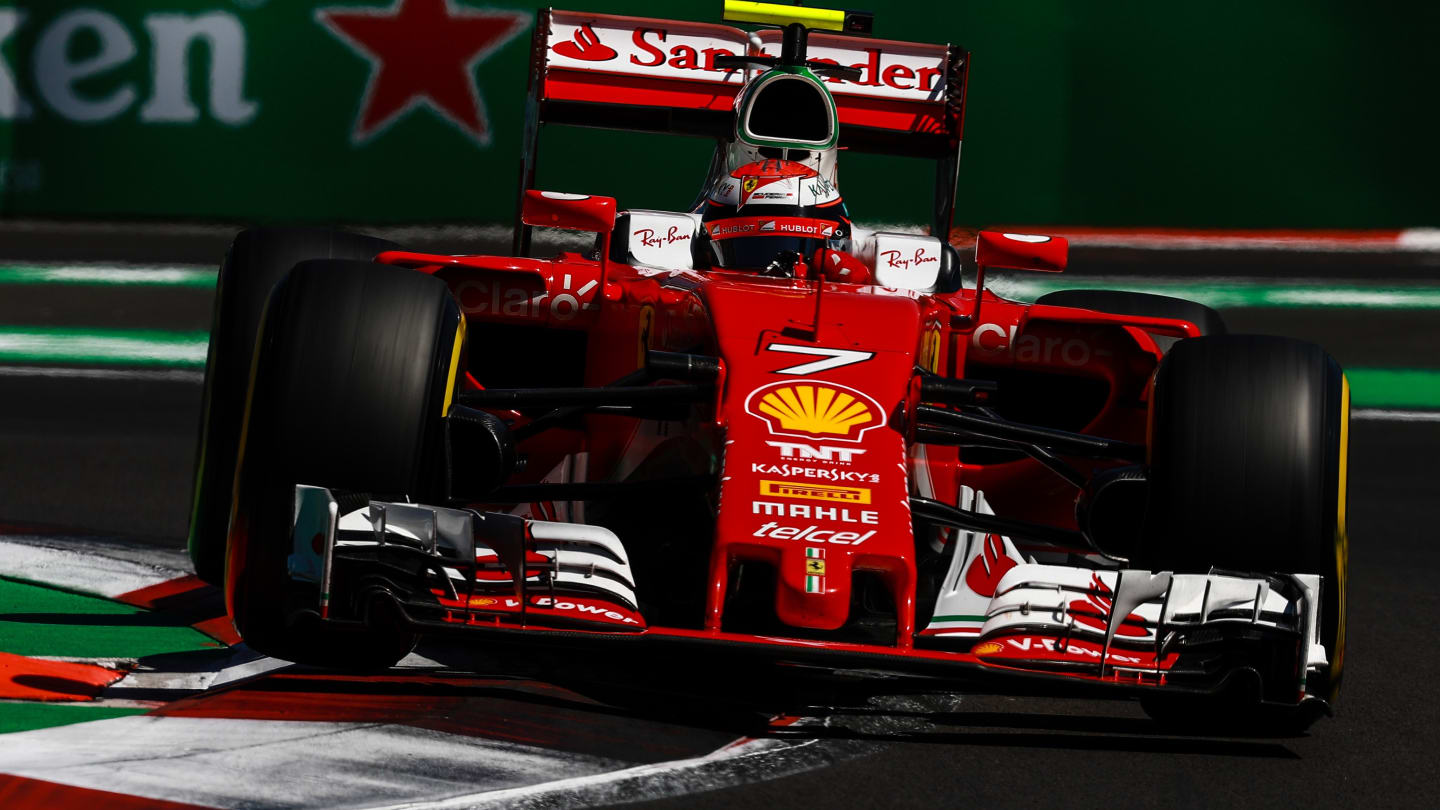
(771, 198)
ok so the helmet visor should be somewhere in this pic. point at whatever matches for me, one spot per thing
(752, 243)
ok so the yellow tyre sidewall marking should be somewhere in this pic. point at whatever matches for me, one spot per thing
(1342, 541)
(454, 366)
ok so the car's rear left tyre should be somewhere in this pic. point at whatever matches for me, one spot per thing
(1247, 473)
(256, 261)
(355, 369)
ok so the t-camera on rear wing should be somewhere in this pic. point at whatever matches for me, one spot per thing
(651, 75)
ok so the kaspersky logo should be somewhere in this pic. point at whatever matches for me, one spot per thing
(422, 53)
(814, 409)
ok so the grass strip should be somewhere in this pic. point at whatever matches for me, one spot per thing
(1394, 388)
(37, 620)
(30, 716)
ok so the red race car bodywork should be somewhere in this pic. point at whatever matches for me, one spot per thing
(882, 475)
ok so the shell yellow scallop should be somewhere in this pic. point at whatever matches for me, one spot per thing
(816, 409)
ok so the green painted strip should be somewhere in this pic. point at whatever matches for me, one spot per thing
(105, 275)
(957, 618)
(1222, 293)
(36, 620)
(1394, 388)
(103, 346)
(1371, 388)
(30, 716)
(1216, 292)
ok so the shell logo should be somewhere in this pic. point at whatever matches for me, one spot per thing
(814, 409)
(987, 648)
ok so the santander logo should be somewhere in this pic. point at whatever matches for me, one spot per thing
(689, 51)
(586, 46)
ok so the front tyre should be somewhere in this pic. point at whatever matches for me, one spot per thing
(255, 263)
(355, 369)
(1249, 438)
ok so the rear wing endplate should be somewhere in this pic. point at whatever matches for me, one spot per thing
(650, 75)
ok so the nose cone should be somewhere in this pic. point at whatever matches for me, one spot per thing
(815, 480)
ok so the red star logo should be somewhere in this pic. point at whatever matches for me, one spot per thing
(422, 52)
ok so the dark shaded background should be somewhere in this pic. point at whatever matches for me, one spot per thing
(1289, 113)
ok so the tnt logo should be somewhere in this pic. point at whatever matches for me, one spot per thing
(814, 409)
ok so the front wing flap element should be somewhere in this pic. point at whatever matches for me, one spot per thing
(1131, 629)
(1145, 626)
(460, 566)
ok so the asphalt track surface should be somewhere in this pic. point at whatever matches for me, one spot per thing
(113, 457)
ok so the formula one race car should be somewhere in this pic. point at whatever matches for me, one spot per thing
(760, 429)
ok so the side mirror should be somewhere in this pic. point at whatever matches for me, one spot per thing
(575, 212)
(904, 261)
(1021, 251)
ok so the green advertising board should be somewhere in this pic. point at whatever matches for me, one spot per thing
(1283, 114)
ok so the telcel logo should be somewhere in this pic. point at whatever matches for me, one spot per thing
(840, 455)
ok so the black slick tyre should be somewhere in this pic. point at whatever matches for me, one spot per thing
(355, 369)
(1248, 458)
(256, 261)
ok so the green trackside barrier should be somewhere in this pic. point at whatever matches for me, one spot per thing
(1293, 113)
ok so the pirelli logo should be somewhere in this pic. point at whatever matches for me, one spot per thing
(814, 492)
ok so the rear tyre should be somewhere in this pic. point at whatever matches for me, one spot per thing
(256, 261)
(1247, 472)
(355, 369)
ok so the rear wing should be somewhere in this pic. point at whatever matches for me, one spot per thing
(650, 75)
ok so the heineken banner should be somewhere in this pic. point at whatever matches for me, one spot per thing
(1216, 114)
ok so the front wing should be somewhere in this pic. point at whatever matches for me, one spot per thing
(570, 585)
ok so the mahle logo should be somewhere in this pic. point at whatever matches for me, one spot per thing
(86, 44)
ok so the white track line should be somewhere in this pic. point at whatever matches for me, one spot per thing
(750, 761)
(141, 374)
(1421, 240)
(221, 762)
(102, 566)
(239, 664)
(108, 273)
(1386, 415)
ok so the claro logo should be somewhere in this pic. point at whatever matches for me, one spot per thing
(814, 409)
(993, 339)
